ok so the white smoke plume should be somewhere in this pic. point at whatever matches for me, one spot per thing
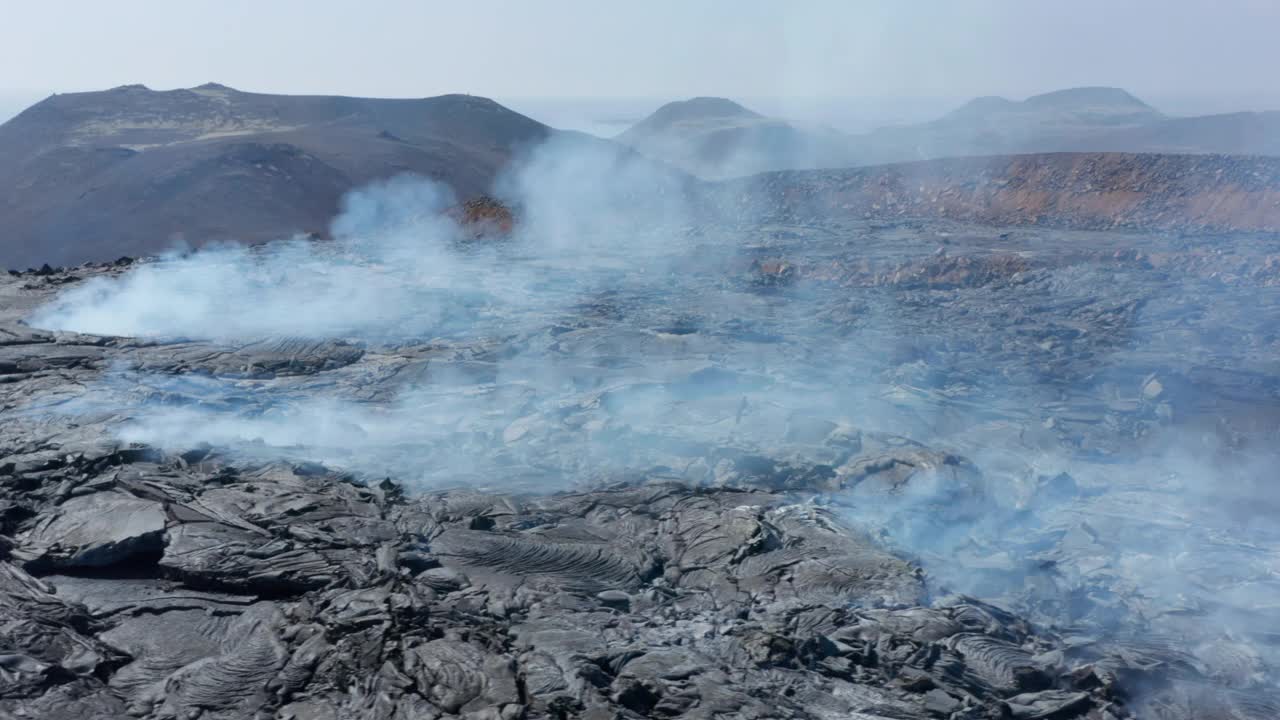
(618, 332)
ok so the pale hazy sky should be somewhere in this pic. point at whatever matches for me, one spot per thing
(646, 48)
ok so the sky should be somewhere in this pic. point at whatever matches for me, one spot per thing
(1219, 51)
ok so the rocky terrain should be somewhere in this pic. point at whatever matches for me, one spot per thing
(811, 445)
(1172, 193)
(545, 429)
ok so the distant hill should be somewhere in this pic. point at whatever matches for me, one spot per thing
(1062, 120)
(714, 138)
(1083, 106)
(127, 171)
(693, 112)
(1242, 133)
(718, 138)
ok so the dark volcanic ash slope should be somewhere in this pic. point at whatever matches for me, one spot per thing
(131, 171)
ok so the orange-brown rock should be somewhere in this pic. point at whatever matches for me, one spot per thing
(483, 217)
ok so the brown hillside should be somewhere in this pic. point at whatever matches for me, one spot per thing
(1080, 190)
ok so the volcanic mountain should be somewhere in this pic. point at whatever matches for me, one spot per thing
(1061, 120)
(132, 171)
(718, 138)
(714, 137)
(91, 176)
(1092, 120)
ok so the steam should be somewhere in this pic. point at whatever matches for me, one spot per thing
(392, 272)
(400, 268)
(619, 331)
(601, 235)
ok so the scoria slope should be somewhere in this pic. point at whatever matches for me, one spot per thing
(131, 171)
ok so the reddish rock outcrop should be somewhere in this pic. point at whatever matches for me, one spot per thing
(483, 217)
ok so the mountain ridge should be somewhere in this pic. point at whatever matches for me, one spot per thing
(94, 175)
(1080, 119)
(716, 137)
(134, 171)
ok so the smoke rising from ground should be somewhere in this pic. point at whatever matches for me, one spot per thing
(391, 273)
(400, 268)
(617, 332)
(599, 232)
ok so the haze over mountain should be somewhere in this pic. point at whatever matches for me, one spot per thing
(1077, 119)
(132, 171)
(714, 137)
(994, 125)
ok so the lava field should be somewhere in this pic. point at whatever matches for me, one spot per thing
(779, 466)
